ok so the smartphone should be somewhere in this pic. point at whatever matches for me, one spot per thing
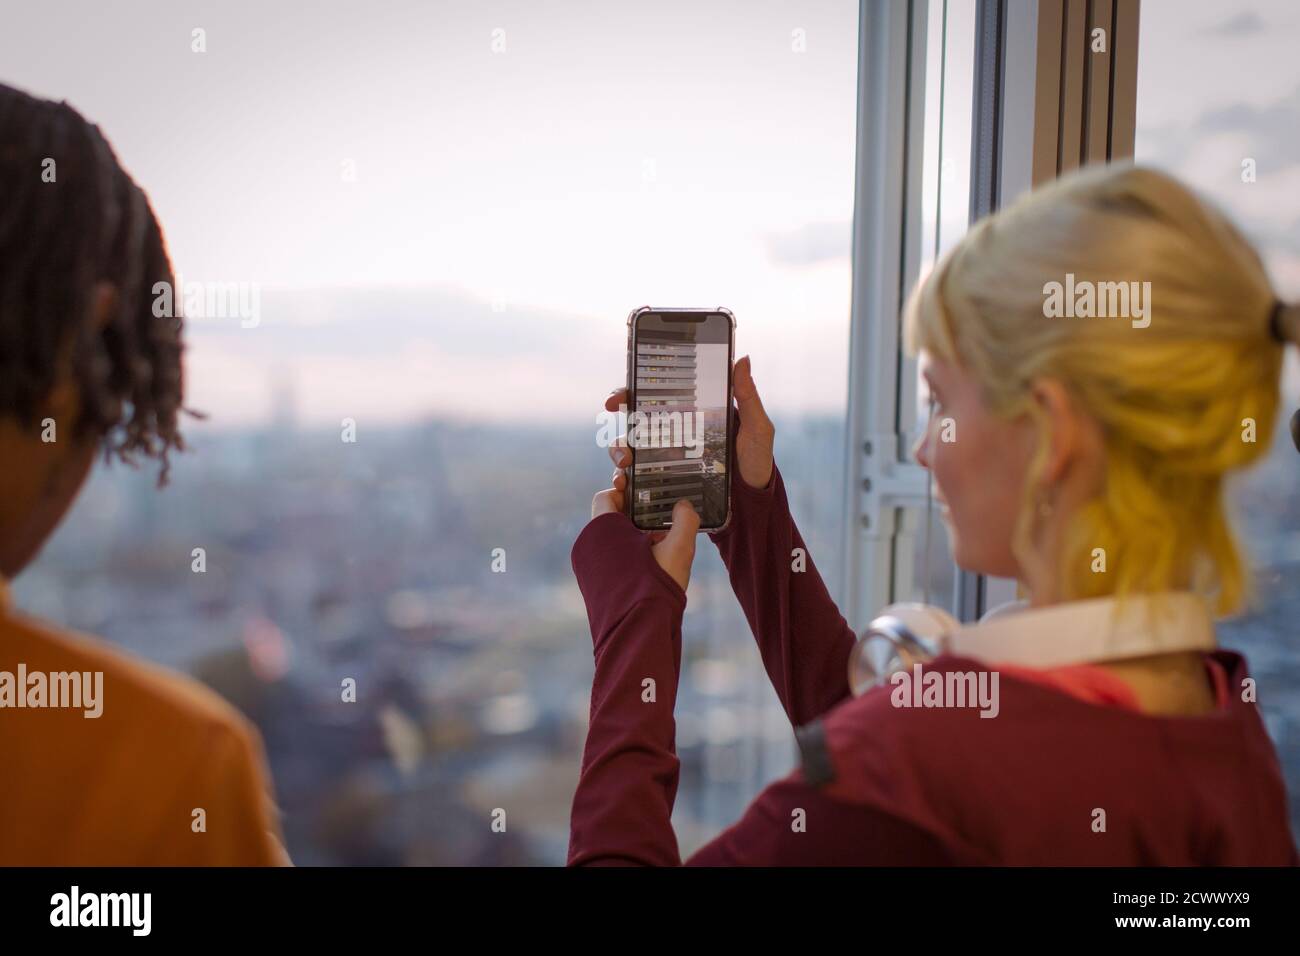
(679, 414)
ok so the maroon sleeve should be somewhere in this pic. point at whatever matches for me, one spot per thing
(794, 824)
(623, 805)
(801, 635)
(622, 808)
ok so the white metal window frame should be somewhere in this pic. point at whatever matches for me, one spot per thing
(1044, 102)
(890, 60)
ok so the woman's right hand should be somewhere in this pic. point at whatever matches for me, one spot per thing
(753, 440)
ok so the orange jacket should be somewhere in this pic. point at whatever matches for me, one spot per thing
(167, 774)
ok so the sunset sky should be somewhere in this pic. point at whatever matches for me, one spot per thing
(510, 208)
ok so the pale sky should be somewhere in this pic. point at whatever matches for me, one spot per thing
(1220, 83)
(614, 154)
(510, 208)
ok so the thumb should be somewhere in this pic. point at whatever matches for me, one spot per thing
(752, 413)
(676, 550)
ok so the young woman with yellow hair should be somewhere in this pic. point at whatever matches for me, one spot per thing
(1080, 451)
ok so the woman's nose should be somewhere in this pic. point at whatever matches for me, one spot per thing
(921, 448)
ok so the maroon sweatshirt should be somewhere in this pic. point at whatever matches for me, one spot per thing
(1050, 780)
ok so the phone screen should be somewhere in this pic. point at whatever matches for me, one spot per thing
(679, 416)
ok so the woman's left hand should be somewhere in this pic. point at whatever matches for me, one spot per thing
(674, 549)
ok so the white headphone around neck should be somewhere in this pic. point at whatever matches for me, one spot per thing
(1075, 632)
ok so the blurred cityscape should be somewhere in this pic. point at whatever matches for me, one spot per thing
(374, 561)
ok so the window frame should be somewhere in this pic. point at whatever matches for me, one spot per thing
(1043, 103)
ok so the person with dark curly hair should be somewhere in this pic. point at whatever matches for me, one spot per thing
(106, 760)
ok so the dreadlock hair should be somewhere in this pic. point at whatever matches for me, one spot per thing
(58, 241)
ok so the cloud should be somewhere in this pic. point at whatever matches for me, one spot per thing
(1283, 241)
(1208, 151)
(1246, 23)
(810, 244)
(1273, 131)
(383, 320)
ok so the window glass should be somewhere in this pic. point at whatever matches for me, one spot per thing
(1219, 105)
(923, 557)
(448, 211)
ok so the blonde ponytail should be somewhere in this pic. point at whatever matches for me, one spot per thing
(1183, 397)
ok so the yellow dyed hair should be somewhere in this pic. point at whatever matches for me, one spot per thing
(1173, 399)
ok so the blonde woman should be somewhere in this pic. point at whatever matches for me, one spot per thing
(1084, 456)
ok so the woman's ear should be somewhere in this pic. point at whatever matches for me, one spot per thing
(1068, 427)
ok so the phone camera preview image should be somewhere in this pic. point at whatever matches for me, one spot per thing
(679, 420)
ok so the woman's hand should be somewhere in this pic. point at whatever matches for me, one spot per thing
(753, 440)
(674, 549)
